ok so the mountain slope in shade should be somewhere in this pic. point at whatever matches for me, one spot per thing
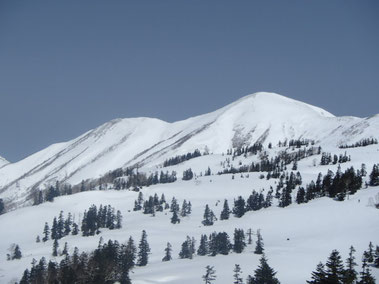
(261, 117)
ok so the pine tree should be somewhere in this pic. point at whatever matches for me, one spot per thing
(17, 252)
(184, 210)
(374, 175)
(237, 275)
(350, 273)
(208, 217)
(239, 207)
(210, 275)
(376, 262)
(300, 197)
(118, 220)
(131, 252)
(54, 228)
(370, 253)
(38, 240)
(144, 250)
(65, 249)
(75, 229)
(55, 247)
(203, 247)
(259, 244)
(168, 251)
(335, 272)
(67, 225)
(225, 213)
(187, 249)
(175, 218)
(60, 226)
(318, 276)
(239, 241)
(2, 207)
(264, 274)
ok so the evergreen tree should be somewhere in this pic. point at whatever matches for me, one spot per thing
(131, 252)
(285, 198)
(300, 197)
(184, 210)
(175, 218)
(118, 220)
(335, 272)
(376, 262)
(239, 207)
(264, 274)
(144, 250)
(203, 247)
(374, 175)
(225, 213)
(25, 277)
(259, 243)
(75, 229)
(55, 247)
(65, 249)
(54, 228)
(237, 275)
(208, 216)
(370, 253)
(239, 241)
(17, 252)
(187, 249)
(210, 275)
(67, 225)
(2, 207)
(168, 251)
(350, 273)
(38, 240)
(318, 276)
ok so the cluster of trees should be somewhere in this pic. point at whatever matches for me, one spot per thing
(155, 204)
(111, 262)
(60, 228)
(51, 192)
(216, 243)
(104, 217)
(136, 180)
(187, 174)
(253, 150)
(334, 270)
(333, 185)
(326, 158)
(182, 158)
(298, 143)
(264, 274)
(15, 252)
(361, 143)
(275, 165)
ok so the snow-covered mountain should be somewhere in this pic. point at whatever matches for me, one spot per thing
(296, 237)
(260, 117)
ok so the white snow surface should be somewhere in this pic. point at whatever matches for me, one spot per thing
(313, 230)
(260, 117)
(3, 162)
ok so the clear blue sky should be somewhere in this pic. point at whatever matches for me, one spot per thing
(69, 66)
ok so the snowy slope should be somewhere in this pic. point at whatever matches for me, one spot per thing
(313, 229)
(3, 162)
(261, 117)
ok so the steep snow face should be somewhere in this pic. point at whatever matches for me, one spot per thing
(3, 162)
(261, 117)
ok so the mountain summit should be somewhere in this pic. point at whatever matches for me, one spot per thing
(147, 142)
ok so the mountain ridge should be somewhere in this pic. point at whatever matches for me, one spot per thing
(259, 117)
